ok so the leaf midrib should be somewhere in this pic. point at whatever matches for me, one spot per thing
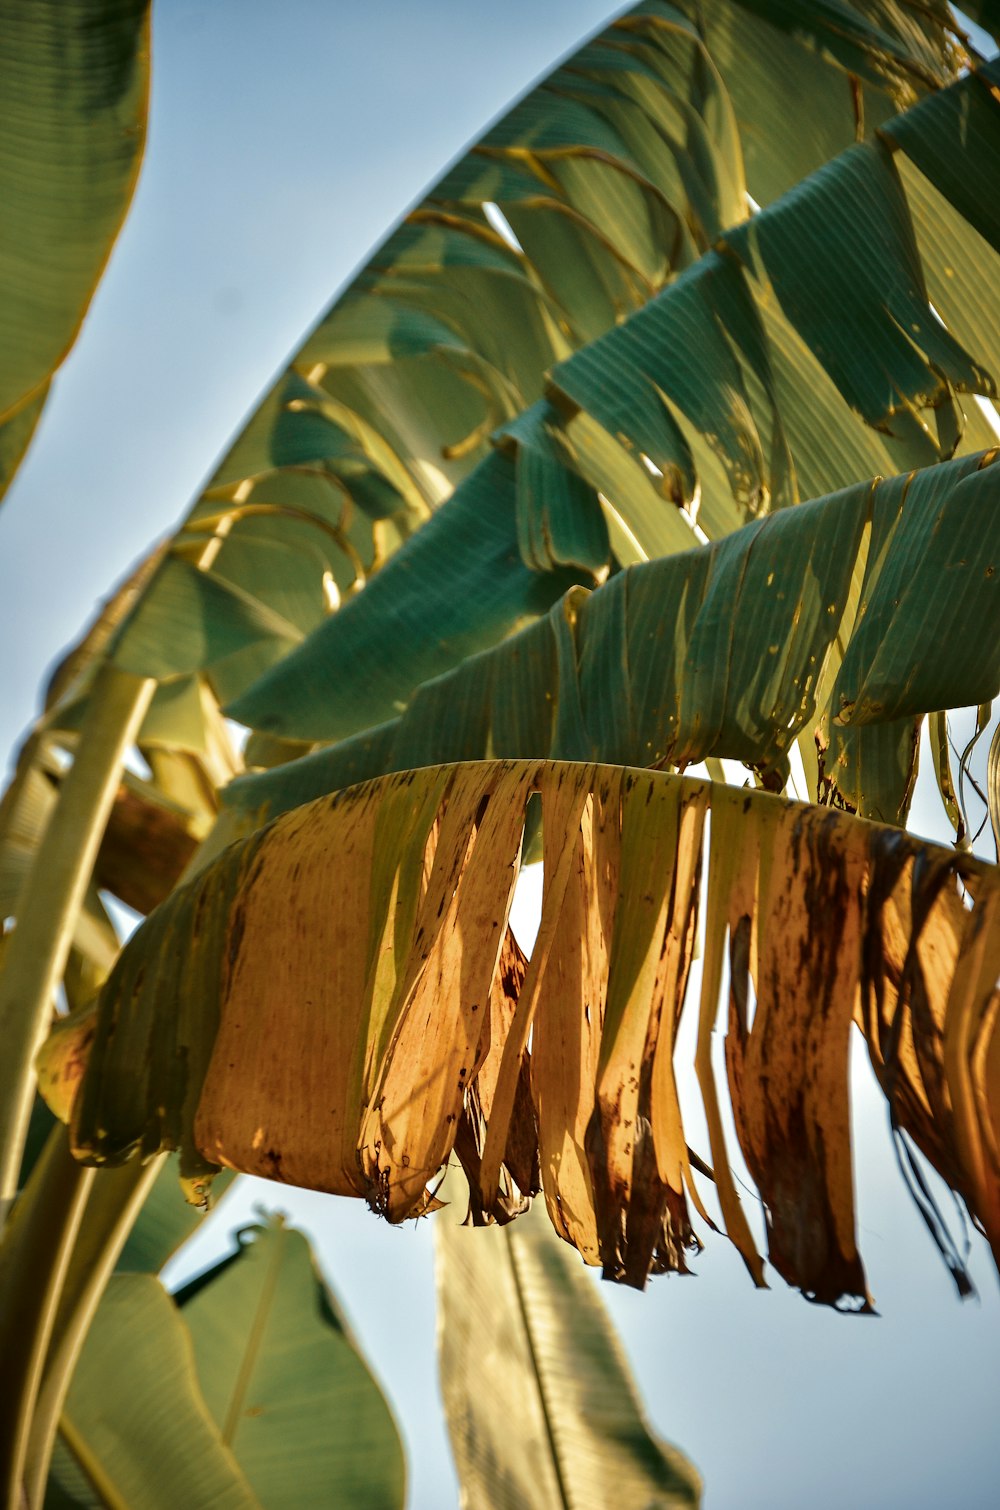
(255, 1338)
(564, 1499)
(90, 1464)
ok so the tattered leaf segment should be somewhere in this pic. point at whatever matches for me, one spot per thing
(337, 1002)
(74, 81)
(833, 626)
(541, 1405)
(246, 1372)
(619, 179)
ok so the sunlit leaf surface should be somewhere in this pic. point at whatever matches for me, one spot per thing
(607, 181)
(831, 627)
(316, 1005)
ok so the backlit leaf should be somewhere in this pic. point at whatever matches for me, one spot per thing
(282, 1377)
(612, 176)
(738, 389)
(359, 938)
(833, 625)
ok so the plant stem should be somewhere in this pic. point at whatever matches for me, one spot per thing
(36, 951)
(116, 1198)
(34, 1260)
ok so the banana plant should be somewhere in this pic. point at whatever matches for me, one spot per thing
(658, 433)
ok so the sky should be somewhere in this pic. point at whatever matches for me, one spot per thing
(284, 140)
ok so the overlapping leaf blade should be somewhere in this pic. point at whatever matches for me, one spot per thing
(739, 389)
(156, 821)
(135, 1386)
(834, 625)
(253, 1391)
(611, 176)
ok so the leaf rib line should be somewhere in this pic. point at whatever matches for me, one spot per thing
(90, 1465)
(254, 1340)
(564, 1498)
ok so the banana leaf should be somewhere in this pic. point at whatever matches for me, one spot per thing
(538, 1395)
(135, 1429)
(74, 81)
(285, 1382)
(742, 388)
(246, 1381)
(832, 626)
(608, 179)
(361, 940)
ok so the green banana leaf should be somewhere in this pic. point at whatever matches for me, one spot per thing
(74, 80)
(609, 178)
(247, 1382)
(334, 1003)
(541, 1406)
(833, 626)
(285, 1383)
(741, 388)
(135, 1425)
(463, 329)
(481, 589)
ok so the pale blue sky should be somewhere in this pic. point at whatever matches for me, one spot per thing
(284, 139)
